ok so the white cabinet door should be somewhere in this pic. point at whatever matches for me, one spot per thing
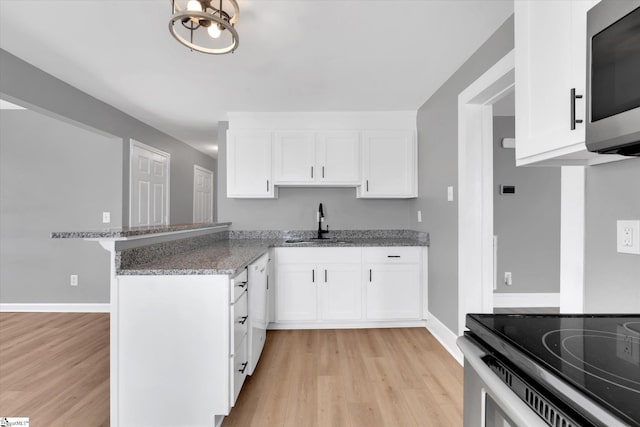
(294, 158)
(393, 291)
(389, 165)
(340, 291)
(550, 46)
(338, 157)
(296, 292)
(249, 164)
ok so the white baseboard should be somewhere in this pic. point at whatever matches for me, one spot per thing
(56, 308)
(347, 325)
(445, 337)
(526, 300)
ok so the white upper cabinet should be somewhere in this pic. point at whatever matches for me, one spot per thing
(249, 164)
(338, 155)
(389, 165)
(375, 152)
(316, 158)
(550, 59)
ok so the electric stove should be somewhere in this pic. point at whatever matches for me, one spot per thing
(590, 363)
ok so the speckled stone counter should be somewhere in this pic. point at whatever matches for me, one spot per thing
(229, 252)
(124, 232)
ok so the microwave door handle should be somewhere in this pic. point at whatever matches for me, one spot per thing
(573, 108)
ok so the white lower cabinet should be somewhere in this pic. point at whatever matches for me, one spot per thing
(327, 289)
(332, 285)
(393, 283)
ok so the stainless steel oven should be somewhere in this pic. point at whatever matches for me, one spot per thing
(613, 77)
(551, 370)
(489, 396)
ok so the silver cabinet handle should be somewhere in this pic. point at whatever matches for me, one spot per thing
(311, 171)
(313, 276)
(325, 275)
(393, 256)
(267, 186)
(323, 171)
(573, 108)
(370, 275)
(367, 185)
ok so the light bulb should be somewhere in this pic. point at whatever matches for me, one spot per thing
(194, 6)
(214, 31)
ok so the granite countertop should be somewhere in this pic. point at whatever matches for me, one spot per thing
(124, 232)
(237, 250)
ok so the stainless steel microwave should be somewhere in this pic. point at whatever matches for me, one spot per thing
(613, 77)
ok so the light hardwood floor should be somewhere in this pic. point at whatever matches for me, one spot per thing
(359, 377)
(54, 369)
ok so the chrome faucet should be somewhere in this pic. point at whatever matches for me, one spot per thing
(320, 218)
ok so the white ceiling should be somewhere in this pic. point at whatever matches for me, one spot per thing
(294, 55)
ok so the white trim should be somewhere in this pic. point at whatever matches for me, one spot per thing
(133, 143)
(318, 120)
(56, 308)
(366, 324)
(475, 187)
(572, 224)
(537, 299)
(445, 337)
(200, 168)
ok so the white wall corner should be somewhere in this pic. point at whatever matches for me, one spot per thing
(444, 337)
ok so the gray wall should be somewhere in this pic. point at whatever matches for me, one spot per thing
(26, 85)
(295, 208)
(22, 81)
(612, 280)
(528, 223)
(54, 176)
(438, 168)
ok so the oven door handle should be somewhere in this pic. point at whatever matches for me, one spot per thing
(506, 399)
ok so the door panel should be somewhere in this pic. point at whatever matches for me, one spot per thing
(149, 183)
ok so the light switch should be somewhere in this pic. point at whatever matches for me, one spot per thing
(628, 236)
(450, 193)
(419, 216)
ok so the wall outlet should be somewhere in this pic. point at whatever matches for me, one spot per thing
(106, 217)
(73, 280)
(419, 216)
(450, 193)
(628, 236)
(508, 280)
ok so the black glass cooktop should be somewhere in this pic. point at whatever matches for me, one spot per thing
(597, 355)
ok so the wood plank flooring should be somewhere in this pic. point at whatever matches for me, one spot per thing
(351, 377)
(54, 368)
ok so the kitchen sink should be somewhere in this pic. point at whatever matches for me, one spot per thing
(313, 241)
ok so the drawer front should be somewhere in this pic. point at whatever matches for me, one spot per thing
(239, 320)
(240, 366)
(238, 285)
(392, 255)
(318, 255)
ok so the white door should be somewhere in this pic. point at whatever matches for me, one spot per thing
(149, 186)
(202, 195)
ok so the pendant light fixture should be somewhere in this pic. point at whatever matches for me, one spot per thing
(207, 26)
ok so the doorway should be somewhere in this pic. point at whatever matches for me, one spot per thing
(202, 195)
(149, 180)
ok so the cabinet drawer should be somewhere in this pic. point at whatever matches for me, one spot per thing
(239, 364)
(392, 255)
(239, 321)
(238, 285)
(318, 255)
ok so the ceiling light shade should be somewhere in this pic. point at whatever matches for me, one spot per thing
(191, 23)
